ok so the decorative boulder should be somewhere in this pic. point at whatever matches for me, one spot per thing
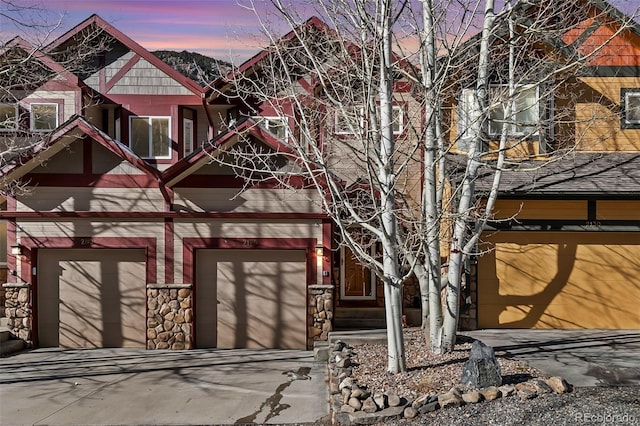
(482, 369)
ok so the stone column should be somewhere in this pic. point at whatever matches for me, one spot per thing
(18, 311)
(169, 316)
(320, 313)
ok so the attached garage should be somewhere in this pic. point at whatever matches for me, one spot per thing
(560, 280)
(251, 298)
(91, 298)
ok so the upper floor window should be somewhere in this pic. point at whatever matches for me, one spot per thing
(630, 108)
(149, 137)
(44, 117)
(523, 122)
(278, 126)
(8, 117)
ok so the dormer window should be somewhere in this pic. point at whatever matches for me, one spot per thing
(149, 137)
(44, 117)
(8, 117)
(630, 99)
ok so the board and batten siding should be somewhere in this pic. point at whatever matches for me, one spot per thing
(68, 199)
(251, 200)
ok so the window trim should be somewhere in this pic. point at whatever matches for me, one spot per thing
(150, 140)
(32, 118)
(16, 119)
(625, 93)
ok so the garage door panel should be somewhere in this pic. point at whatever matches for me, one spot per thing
(97, 298)
(560, 280)
(260, 299)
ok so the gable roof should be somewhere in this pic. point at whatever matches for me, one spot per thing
(197, 159)
(132, 45)
(71, 131)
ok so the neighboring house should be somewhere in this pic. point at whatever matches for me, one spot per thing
(566, 253)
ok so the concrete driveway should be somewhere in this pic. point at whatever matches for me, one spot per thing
(124, 386)
(583, 357)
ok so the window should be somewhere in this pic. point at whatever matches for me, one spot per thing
(149, 136)
(525, 118)
(398, 119)
(523, 123)
(278, 126)
(630, 108)
(187, 135)
(8, 117)
(44, 117)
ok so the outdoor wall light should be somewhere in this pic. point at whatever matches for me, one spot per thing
(319, 250)
(16, 250)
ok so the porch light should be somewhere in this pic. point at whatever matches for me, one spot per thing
(16, 250)
(319, 250)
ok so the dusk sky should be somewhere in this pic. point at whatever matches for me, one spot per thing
(224, 29)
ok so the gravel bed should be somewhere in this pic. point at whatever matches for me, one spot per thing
(432, 374)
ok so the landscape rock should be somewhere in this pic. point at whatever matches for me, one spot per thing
(347, 383)
(369, 405)
(410, 413)
(507, 390)
(380, 399)
(355, 403)
(482, 369)
(526, 391)
(490, 393)
(559, 384)
(542, 387)
(347, 409)
(393, 400)
(471, 397)
(429, 407)
(453, 398)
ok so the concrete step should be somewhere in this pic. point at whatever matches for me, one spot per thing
(10, 346)
(359, 319)
(5, 334)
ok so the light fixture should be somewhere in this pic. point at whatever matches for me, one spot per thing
(319, 250)
(16, 250)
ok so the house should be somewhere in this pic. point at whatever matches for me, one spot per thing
(563, 249)
(129, 236)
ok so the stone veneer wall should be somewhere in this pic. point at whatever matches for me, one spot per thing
(169, 316)
(18, 310)
(320, 312)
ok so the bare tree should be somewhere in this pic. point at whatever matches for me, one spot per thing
(398, 168)
(26, 66)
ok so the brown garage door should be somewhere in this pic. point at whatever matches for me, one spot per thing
(91, 298)
(251, 299)
(560, 280)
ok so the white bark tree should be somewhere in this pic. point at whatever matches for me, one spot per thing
(337, 89)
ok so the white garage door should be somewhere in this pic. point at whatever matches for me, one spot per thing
(251, 299)
(91, 298)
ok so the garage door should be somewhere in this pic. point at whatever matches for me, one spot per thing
(91, 298)
(560, 280)
(251, 299)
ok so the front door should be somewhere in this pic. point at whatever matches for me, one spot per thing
(356, 281)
